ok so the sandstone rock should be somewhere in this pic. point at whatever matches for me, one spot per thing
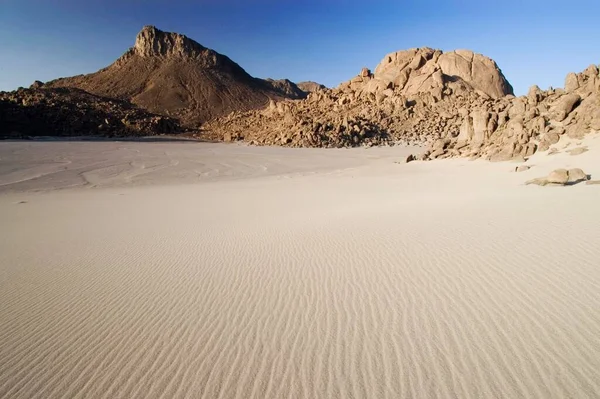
(551, 138)
(565, 106)
(558, 176)
(534, 95)
(561, 177)
(571, 83)
(425, 69)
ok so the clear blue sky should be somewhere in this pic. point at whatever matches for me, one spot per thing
(326, 41)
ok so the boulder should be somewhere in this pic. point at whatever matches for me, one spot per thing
(571, 83)
(564, 107)
(558, 176)
(408, 159)
(577, 175)
(561, 177)
(578, 150)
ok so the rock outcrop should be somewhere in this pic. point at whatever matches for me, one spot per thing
(425, 70)
(309, 87)
(458, 103)
(171, 74)
(68, 112)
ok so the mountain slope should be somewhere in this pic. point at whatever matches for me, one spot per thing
(170, 74)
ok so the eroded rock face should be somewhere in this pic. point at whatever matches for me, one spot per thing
(152, 42)
(423, 70)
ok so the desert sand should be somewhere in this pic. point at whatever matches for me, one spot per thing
(169, 269)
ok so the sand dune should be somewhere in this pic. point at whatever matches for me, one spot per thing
(280, 273)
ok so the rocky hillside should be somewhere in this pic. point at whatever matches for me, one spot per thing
(309, 87)
(40, 111)
(170, 74)
(459, 103)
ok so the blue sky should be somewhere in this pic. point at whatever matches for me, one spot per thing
(533, 42)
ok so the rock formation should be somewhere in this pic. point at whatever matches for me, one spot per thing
(170, 74)
(40, 111)
(309, 87)
(425, 70)
(457, 102)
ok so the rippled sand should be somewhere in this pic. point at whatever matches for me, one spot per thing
(220, 271)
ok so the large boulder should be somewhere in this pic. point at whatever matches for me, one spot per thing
(416, 70)
(564, 107)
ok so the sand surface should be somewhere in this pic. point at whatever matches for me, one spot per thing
(176, 270)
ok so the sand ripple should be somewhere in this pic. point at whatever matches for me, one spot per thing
(321, 289)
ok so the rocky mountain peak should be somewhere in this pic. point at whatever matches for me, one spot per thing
(152, 42)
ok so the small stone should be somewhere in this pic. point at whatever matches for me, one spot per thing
(522, 168)
(408, 159)
(578, 151)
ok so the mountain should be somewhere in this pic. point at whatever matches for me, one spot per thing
(171, 74)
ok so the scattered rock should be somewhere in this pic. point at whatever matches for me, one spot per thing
(577, 151)
(553, 151)
(561, 177)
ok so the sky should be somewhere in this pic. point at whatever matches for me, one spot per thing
(328, 41)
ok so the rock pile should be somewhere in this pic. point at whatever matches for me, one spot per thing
(458, 103)
(40, 111)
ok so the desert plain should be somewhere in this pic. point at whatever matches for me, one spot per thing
(181, 269)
